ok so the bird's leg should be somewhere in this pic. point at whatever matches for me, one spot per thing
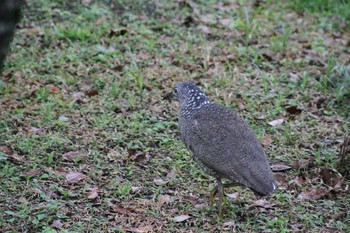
(215, 190)
(212, 195)
(221, 196)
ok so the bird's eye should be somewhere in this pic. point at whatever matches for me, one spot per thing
(176, 91)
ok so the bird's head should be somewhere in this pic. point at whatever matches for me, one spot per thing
(188, 94)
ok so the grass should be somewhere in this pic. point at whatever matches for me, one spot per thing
(88, 145)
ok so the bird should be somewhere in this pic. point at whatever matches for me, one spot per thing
(222, 143)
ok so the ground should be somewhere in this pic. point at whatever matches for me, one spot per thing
(88, 145)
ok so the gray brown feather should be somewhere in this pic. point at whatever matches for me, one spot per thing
(221, 142)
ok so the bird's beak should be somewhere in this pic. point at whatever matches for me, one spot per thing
(169, 96)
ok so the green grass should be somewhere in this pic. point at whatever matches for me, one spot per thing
(90, 77)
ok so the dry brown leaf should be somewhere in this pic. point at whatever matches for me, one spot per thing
(14, 157)
(32, 172)
(148, 228)
(293, 110)
(53, 89)
(22, 200)
(33, 130)
(74, 176)
(281, 180)
(118, 32)
(91, 92)
(241, 105)
(160, 181)
(266, 140)
(163, 199)
(339, 215)
(6, 149)
(123, 210)
(93, 193)
(301, 163)
(191, 199)
(181, 218)
(262, 203)
(276, 123)
(314, 194)
(204, 29)
(278, 167)
(70, 156)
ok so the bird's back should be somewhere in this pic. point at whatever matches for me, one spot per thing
(225, 145)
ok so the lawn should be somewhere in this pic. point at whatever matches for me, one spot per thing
(87, 144)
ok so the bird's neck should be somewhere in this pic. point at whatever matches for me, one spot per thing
(193, 104)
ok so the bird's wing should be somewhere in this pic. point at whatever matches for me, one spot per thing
(227, 145)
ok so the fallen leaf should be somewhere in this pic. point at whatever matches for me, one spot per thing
(267, 55)
(32, 172)
(93, 193)
(57, 223)
(266, 140)
(63, 118)
(191, 199)
(281, 180)
(160, 181)
(225, 22)
(163, 199)
(181, 218)
(278, 167)
(276, 123)
(123, 210)
(6, 149)
(86, 2)
(148, 228)
(14, 157)
(23, 200)
(118, 32)
(300, 181)
(234, 195)
(293, 110)
(314, 194)
(229, 223)
(300, 163)
(140, 157)
(339, 215)
(261, 203)
(134, 188)
(208, 19)
(241, 105)
(204, 29)
(52, 88)
(78, 95)
(171, 174)
(33, 130)
(70, 156)
(100, 21)
(74, 176)
(91, 93)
